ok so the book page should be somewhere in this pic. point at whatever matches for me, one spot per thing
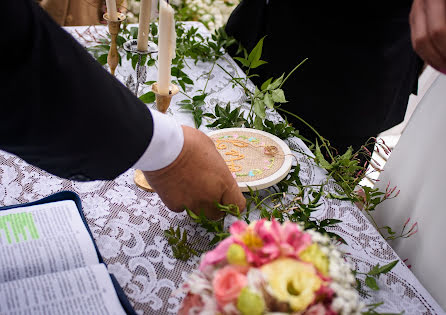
(87, 290)
(42, 239)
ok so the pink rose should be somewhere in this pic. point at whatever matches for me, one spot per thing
(227, 284)
(280, 240)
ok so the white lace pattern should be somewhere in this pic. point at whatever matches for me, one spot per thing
(128, 223)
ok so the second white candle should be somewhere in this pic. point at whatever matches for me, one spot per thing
(166, 46)
(145, 13)
(111, 10)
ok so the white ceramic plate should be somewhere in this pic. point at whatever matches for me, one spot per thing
(270, 179)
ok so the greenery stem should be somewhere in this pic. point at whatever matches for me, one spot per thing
(236, 81)
(324, 143)
(209, 75)
(295, 68)
(185, 94)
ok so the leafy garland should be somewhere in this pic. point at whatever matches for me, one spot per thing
(278, 202)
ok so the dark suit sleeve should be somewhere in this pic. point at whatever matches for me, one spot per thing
(60, 110)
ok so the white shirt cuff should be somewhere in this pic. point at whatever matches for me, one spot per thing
(165, 146)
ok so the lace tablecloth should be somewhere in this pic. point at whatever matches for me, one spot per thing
(128, 223)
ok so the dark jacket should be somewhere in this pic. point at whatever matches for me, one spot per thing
(60, 110)
(361, 67)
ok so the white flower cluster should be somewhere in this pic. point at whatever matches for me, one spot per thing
(214, 13)
(198, 284)
(132, 11)
(346, 300)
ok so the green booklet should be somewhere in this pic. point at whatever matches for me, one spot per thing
(50, 264)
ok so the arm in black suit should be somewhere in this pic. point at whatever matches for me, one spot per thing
(60, 110)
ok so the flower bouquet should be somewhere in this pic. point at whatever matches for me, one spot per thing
(269, 268)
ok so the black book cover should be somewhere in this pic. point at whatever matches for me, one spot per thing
(70, 195)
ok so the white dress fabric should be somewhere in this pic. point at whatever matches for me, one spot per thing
(417, 167)
(128, 223)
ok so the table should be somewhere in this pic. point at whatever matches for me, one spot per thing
(128, 223)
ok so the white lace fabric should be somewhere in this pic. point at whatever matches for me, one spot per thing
(128, 223)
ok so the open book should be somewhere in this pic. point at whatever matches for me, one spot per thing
(49, 263)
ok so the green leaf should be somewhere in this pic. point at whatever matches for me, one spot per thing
(102, 59)
(103, 47)
(134, 32)
(383, 269)
(150, 62)
(149, 82)
(199, 97)
(278, 96)
(210, 115)
(259, 109)
(143, 59)
(186, 101)
(348, 154)
(266, 84)
(329, 222)
(120, 40)
(257, 93)
(268, 99)
(187, 106)
(388, 229)
(192, 214)
(187, 80)
(257, 63)
(135, 58)
(371, 283)
(147, 98)
(243, 61)
(320, 158)
(336, 237)
(175, 72)
(258, 124)
(256, 52)
(277, 82)
(198, 117)
(219, 110)
(338, 197)
(153, 29)
(215, 240)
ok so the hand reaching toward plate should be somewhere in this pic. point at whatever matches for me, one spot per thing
(197, 179)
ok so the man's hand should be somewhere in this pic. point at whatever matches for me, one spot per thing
(428, 31)
(197, 179)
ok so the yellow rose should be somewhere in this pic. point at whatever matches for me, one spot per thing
(314, 255)
(292, 281)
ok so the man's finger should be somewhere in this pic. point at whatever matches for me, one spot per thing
(421, 41)
(233, 195)
(435, 12)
